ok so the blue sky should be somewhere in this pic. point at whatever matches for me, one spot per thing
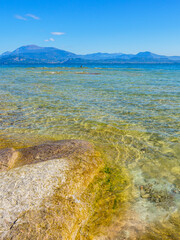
(86, 26)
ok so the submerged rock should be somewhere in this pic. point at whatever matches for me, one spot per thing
(153, 194)
(41, 188)
(7, 156)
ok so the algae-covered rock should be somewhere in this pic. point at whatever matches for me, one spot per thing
(40, 193)
(7, 157)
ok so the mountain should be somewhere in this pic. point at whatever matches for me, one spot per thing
(5, 53)
(148, 57)
(99, 56)
(32, 54)
(174, 58)
(35, 54)
(103, 56)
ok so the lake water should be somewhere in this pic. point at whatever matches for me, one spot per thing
(130, 112)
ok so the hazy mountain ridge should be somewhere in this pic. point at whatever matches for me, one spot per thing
(32, 54)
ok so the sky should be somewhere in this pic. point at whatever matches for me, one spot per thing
(88, 26)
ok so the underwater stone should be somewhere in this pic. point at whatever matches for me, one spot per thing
(42, 192)
(7, 157)
(150, 192)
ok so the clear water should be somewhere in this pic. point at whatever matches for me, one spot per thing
(130, 112)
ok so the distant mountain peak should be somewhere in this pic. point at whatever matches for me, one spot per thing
(31, 47)
(145, 52)
(148, 54)
(27, 48)
(35, 54)
(5, 53)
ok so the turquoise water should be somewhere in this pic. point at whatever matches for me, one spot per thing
(130, 112)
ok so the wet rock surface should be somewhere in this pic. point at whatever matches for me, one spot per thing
(70, 149)
(7, 156)
(41, 189)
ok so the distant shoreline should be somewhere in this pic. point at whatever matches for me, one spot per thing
(32, 54)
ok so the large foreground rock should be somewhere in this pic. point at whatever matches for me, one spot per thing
(41, 190)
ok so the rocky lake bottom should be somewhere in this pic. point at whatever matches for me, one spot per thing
(130, 114)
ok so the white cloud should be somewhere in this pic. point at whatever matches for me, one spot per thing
(49, 40)
(57, 33)
(20, 17)
(32, 16)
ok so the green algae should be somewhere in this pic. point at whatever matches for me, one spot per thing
(108, 196)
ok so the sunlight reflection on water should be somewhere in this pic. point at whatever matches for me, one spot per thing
(130, 113)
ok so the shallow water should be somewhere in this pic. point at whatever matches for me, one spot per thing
(130, 112)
